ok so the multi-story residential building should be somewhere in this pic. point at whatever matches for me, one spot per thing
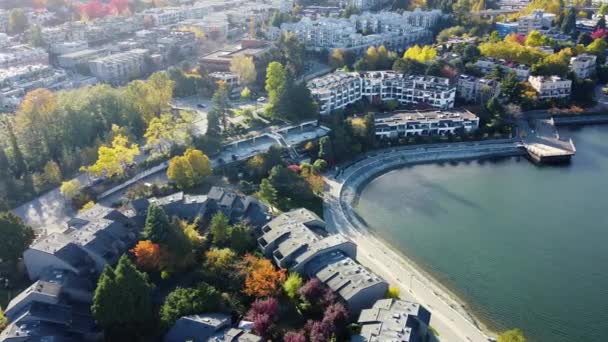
(423, 123)
(514, 5)
(393, 320)
(68, 47)
(537, 21)
(295, 241)
(395, 31)
(583, 65)
(163, 15)
(208, 327)
(19, 55)
(120, 67)
(15, 82)
(367, 4)
(80, 59)
(486, 64)
(230, 79)
(549, 87)
(337, 90)
(3, 20)
(475, 89)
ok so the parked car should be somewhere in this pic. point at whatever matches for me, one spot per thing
(200, 105)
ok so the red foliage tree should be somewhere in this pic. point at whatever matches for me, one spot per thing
(318, 331)
(313, 289)
(94, 9)
(294, 336)
(599, 33)
(268, 307)
(148, 255)
(336, 317)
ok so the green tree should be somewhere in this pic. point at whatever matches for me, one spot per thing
(597, 48)
(17, 21)
(15, 235)
(19, 165)
(219, 229)
(276, 80)
(122, 303)
(292, 52)
(220, 260)
(268, 192)
(3, 320)
(569, 22)
(168, 130)
(243, 67)
(240, 238)
(511, 88)
(220, 106)
(245, 93)
(52, 173)
(34, 36)
(514, 335)
(189, 301)
(157, 227)
(292, 285)
(603, 9)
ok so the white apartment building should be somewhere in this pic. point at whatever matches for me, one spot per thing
(486, 64)
(68, 47)
(229, 78)
(424, 123)
(475, 89)
(384, 22)
(549, 87)
(3, 20)
(163, 15)
(120, 67)
(18, 55)
(15, 82)
(583, 65)
(339, 89)
(538, 20)
(330, 33)
(366, 4)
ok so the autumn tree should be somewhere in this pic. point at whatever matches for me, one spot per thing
(264, 313)
(122, 303)
(15, 235)
(52, 173)
(244, 68)
(113, 160)
(420, 54)
(514, 335)
(168, 130)
(148, 255)
(190, 169)
(336, 58)
(3, 320)
(189, 301)
(292, 285)
(151, 98)
(261, 278)
(70, 188)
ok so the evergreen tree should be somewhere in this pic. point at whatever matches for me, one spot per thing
(122, 303)
(19, 166)
(268, 192)
(219, 229)
(189, 301)
(157, 228)
(326, 151)
(15, 235)
(219, 103)
(511, 88)
(569, 22)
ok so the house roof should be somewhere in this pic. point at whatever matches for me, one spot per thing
(197, 327)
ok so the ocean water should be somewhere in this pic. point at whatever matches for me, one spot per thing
(525, 246)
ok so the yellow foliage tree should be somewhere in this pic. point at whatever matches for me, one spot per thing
(168, 130)
(420, 54)
(70, 188)
(113, 160)
(244, 68)
(87, 206)
(189, 169)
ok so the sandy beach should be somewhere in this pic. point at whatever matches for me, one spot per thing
(450, 316)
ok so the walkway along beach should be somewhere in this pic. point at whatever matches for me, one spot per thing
(450, 317)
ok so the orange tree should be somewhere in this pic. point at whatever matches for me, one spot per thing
(261, 277)
(148, 255)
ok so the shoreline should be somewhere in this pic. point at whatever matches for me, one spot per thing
(452, 313)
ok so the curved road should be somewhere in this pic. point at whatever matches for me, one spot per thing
(449, 317)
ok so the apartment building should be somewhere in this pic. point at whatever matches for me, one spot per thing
(160, 16)
(424, 123)
(537, 21)
(549, 87)
(120, 67)
(339, 89)
(583, 65)
(393, 320)
(486, 64)
(476, 89)
(19, 55)
(395, 31)
(367, 4)
(80, 59)
(68, 47)
(3, 20)
(15, 82)
(296, 240)
(220, 60)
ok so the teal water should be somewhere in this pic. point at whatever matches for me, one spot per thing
(524, 246)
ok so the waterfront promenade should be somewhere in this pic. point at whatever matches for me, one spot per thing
(450, 317)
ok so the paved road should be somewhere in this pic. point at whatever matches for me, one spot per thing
(449, 317)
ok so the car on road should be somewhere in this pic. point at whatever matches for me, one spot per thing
(201, 105)
(261, 100)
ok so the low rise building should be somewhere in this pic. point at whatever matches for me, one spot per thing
(160, 16)
(3, 20)
(424, 123)
(537, 21)
(476, 89)
(296, 240)
(487, 64)
(79, 60)
(220, 60)
(337, 90)
(549, 87)
(393, 320)
(208, 327)
(119, 68)
(583, 65)
(230, 79)
(15, 82)
(19, 55)
(68, 47)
